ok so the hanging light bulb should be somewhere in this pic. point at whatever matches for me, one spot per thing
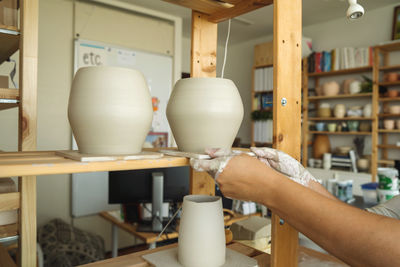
(355, 10)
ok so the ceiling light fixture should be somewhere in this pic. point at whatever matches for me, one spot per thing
(355, 10)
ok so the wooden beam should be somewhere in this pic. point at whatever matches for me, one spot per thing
(203, 64)
(27, 128)
(239, 9)
(375, 111)
(305, 127)
(7, 93)
(204, 46)
(287, 112)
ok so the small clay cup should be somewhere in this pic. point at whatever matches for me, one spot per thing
(388, 124)
(392, 93)
(391, 77)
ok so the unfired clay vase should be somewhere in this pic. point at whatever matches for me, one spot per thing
(204, 113)
(391, 76)
(321, 145)
(331, 88)
(201, 239)
(339, 111)
(109, 110)
(388, 124)
(367, 110)
(355, 87)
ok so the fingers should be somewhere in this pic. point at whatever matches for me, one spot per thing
(265, 152)
(218, 152)
(214, 166)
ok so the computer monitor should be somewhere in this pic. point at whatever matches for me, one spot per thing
(149, 186)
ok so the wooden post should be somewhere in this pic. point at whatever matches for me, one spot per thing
(305, 113)
(27, 128)
(203, 64)
(287, 112)
(375, 117)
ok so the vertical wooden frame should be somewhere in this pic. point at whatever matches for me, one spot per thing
(27, 128)
(287, 112)
(375, 109)
(203, 64)
(305, 127)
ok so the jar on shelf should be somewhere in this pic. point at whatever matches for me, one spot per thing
(339, 111)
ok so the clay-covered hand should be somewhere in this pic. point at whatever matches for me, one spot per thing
(284, 163)
(215, 165)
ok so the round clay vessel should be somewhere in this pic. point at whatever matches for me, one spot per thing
(395, 109)
(330, 88)
(392, 93)
(367, 110)
(363, 164)
(201, 239)
(391, 77)
(355, 87)
(339, 111)
(388, 124)
(204, 113)
(321, 145)
(109, 110)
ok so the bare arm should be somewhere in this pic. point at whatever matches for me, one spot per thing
(355, 236)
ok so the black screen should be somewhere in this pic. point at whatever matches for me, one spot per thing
(135, 186)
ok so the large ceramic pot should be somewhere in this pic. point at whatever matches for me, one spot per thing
(201, 239)
(109, 110)
(331, 88)
(204, 113)
(339, 111)
(321, 145)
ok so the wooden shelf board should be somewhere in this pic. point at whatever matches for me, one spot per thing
(387, 115)
(387, 99)
(389, 47)
(6, 93)
(341, 119)
(8, 230)
(311, 98)
(389, 68)
(219, 10)
(4, 106)
(340, 133)
(341, 72)
(47, 162)
(388, 146)
(263, 66)
(388, 131)
(263, 143)
(263, 92)
(386, 161)
(9, 45)
(397, 83)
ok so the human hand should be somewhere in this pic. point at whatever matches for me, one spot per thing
(215, 165)
(285, 164)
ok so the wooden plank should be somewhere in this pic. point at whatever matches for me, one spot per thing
(9, 45)
(341, 72)
(240, 8)
(340, 133)
(342, 119)
(264, 55)
(397, 83)
(36, 165)
(8, 230)
(9, 201)
(4, 106)
(375, 110)
(313, 98)
(204, 46)
(389, 99)
(388, 131)
(304, 131)
(386, 161)
(388, 115)
(390, 68)
(389, 47)
(6, 93)
(201, 183)
(287, 117)
(203, 6)
(5, 258)
(388, 146)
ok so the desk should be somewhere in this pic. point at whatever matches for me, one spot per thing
(150, 238)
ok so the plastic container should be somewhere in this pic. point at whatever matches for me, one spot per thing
(385, 195)
(388, 178)
(370, 195)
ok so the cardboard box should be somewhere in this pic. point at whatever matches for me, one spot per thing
(9, 13)
(3, 81)
(251, 229)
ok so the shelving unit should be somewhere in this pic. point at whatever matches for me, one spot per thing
(381, 138)
(316, 100)
(263, 58)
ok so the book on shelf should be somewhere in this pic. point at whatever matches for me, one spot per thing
(264, 79)
(340, 59)
(263, 131)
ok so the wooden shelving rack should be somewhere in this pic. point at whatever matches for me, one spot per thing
(205, 16)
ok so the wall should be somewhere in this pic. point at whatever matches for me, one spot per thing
(373, 28)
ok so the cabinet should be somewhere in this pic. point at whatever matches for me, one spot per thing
(205, 16)
(24, 39)
(262, 95)
(386, 138)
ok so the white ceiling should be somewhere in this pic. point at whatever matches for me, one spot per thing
(314, 11)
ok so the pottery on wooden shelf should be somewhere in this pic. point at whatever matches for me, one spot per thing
(331, 88)
(204, 113)
(355, 87)
(332, 127)
(109, 110)
(365, 126)
(339, 111)
(392, 93)
(201, 239)
(353, 125)
(363, 164)
(367, 110)
(388, 124)
(395, 109)
(346, 86)
(321, 145)
(391, 77)
(398, 124)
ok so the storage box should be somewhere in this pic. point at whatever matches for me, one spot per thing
(251, 229)
(9, 13)
(3, 81)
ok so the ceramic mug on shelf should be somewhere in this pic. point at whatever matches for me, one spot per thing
(339, 111)
(332, 127)
(353, 125)
(388, 124)
(320, 126)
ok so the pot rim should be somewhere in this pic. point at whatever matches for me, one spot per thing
(199, 199)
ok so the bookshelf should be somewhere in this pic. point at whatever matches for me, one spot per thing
(262, 95)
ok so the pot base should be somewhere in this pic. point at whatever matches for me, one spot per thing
(169, 258)
(75, 155)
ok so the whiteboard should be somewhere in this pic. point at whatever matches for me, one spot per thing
(90, 190)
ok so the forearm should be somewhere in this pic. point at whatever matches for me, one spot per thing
(355, 236)
(317, 187)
